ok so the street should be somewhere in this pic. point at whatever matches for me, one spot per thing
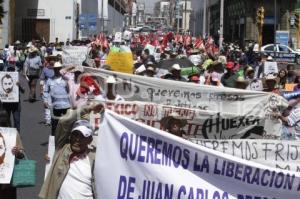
(34, 135)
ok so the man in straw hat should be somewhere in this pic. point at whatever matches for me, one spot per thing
(47, 73)
(241, 83)
(32, 68)
(271, 82)
(175, 73)
(110, 93)
(57, 95)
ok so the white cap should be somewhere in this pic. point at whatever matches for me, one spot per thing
(111, 80)
(270, 58)
(85, 131)
(84, 127)
(176, 67)
(57, 65)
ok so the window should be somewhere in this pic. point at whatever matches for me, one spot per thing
(269, 48)
(284, 49)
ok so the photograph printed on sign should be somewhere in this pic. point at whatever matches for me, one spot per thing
(9, 91)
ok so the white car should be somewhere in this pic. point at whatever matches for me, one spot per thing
(281, 53)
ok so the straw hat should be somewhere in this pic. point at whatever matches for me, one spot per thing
(175, 67)
(111, 80)
(57, 65)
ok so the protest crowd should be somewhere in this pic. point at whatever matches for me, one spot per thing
(79, 81)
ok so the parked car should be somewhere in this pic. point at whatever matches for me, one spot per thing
(281, 53)
(146, 29)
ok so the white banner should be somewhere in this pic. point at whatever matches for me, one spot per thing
(74, 55)
(189, 95)
(274, 153)
(51, 151)
(9, 91)
(139, 162)
(195, 122)
(8, 137)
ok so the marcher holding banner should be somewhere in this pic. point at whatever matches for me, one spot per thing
(71, 174)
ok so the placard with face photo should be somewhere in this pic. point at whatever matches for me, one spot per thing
(7, 159)
(9, 91)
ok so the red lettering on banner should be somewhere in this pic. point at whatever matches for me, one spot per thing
(150, 110)
(188, 114)
(123, 109)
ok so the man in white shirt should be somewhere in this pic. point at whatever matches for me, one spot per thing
(71, 173)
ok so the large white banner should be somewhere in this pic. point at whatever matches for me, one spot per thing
(8, 138)
(189, 95)
(140, 162)
(195, 122)
(74, 55)
(281, 154)
(9, 91)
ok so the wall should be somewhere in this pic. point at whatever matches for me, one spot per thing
(55, 10)
(4, 28)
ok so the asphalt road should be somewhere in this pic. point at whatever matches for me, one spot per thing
(34, 136)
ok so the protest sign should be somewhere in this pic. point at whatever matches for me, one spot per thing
(270, 68)
(9, 91)
(120, 61)
(149, 163)
(74, 55)
(51, 151)
(8, 137)
(281, 154)
(198, 123)
(189, 95)
(118, 37)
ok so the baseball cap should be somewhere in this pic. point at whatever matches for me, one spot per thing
(84, 127)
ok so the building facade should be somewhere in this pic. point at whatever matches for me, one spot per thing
(49, 19)
(240, 19)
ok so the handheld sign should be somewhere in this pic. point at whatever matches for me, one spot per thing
(270, 68)
(9, 91)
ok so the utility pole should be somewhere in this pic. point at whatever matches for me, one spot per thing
(185, 9)
(275, 20)
(204, 18)
(221, 24)
(177, 14)
(102, 16)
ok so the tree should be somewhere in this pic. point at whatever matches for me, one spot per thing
(2, 12)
